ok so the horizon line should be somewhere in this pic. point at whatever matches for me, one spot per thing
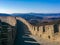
(31, 13)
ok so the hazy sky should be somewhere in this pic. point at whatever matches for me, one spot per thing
(27, 6)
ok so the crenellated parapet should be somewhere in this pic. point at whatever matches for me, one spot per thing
(49, 31)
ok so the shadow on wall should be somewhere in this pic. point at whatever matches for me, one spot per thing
(21, 29)
(7, 33)
(23, 35)
(56, 28)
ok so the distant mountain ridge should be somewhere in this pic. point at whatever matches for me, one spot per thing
(35, 16)
(3, 14)
(39, 14)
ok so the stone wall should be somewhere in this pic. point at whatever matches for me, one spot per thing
(59, 27)
(8, 19)
(49, 31)
(40, 32)
(47, 34)
(43, 31)
(8, 30)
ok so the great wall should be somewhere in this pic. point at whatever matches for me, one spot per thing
(45, 31)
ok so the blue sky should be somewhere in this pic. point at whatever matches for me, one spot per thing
(27, 6)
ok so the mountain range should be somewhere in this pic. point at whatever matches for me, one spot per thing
(35, 16)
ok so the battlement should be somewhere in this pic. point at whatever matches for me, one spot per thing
(50, 31)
